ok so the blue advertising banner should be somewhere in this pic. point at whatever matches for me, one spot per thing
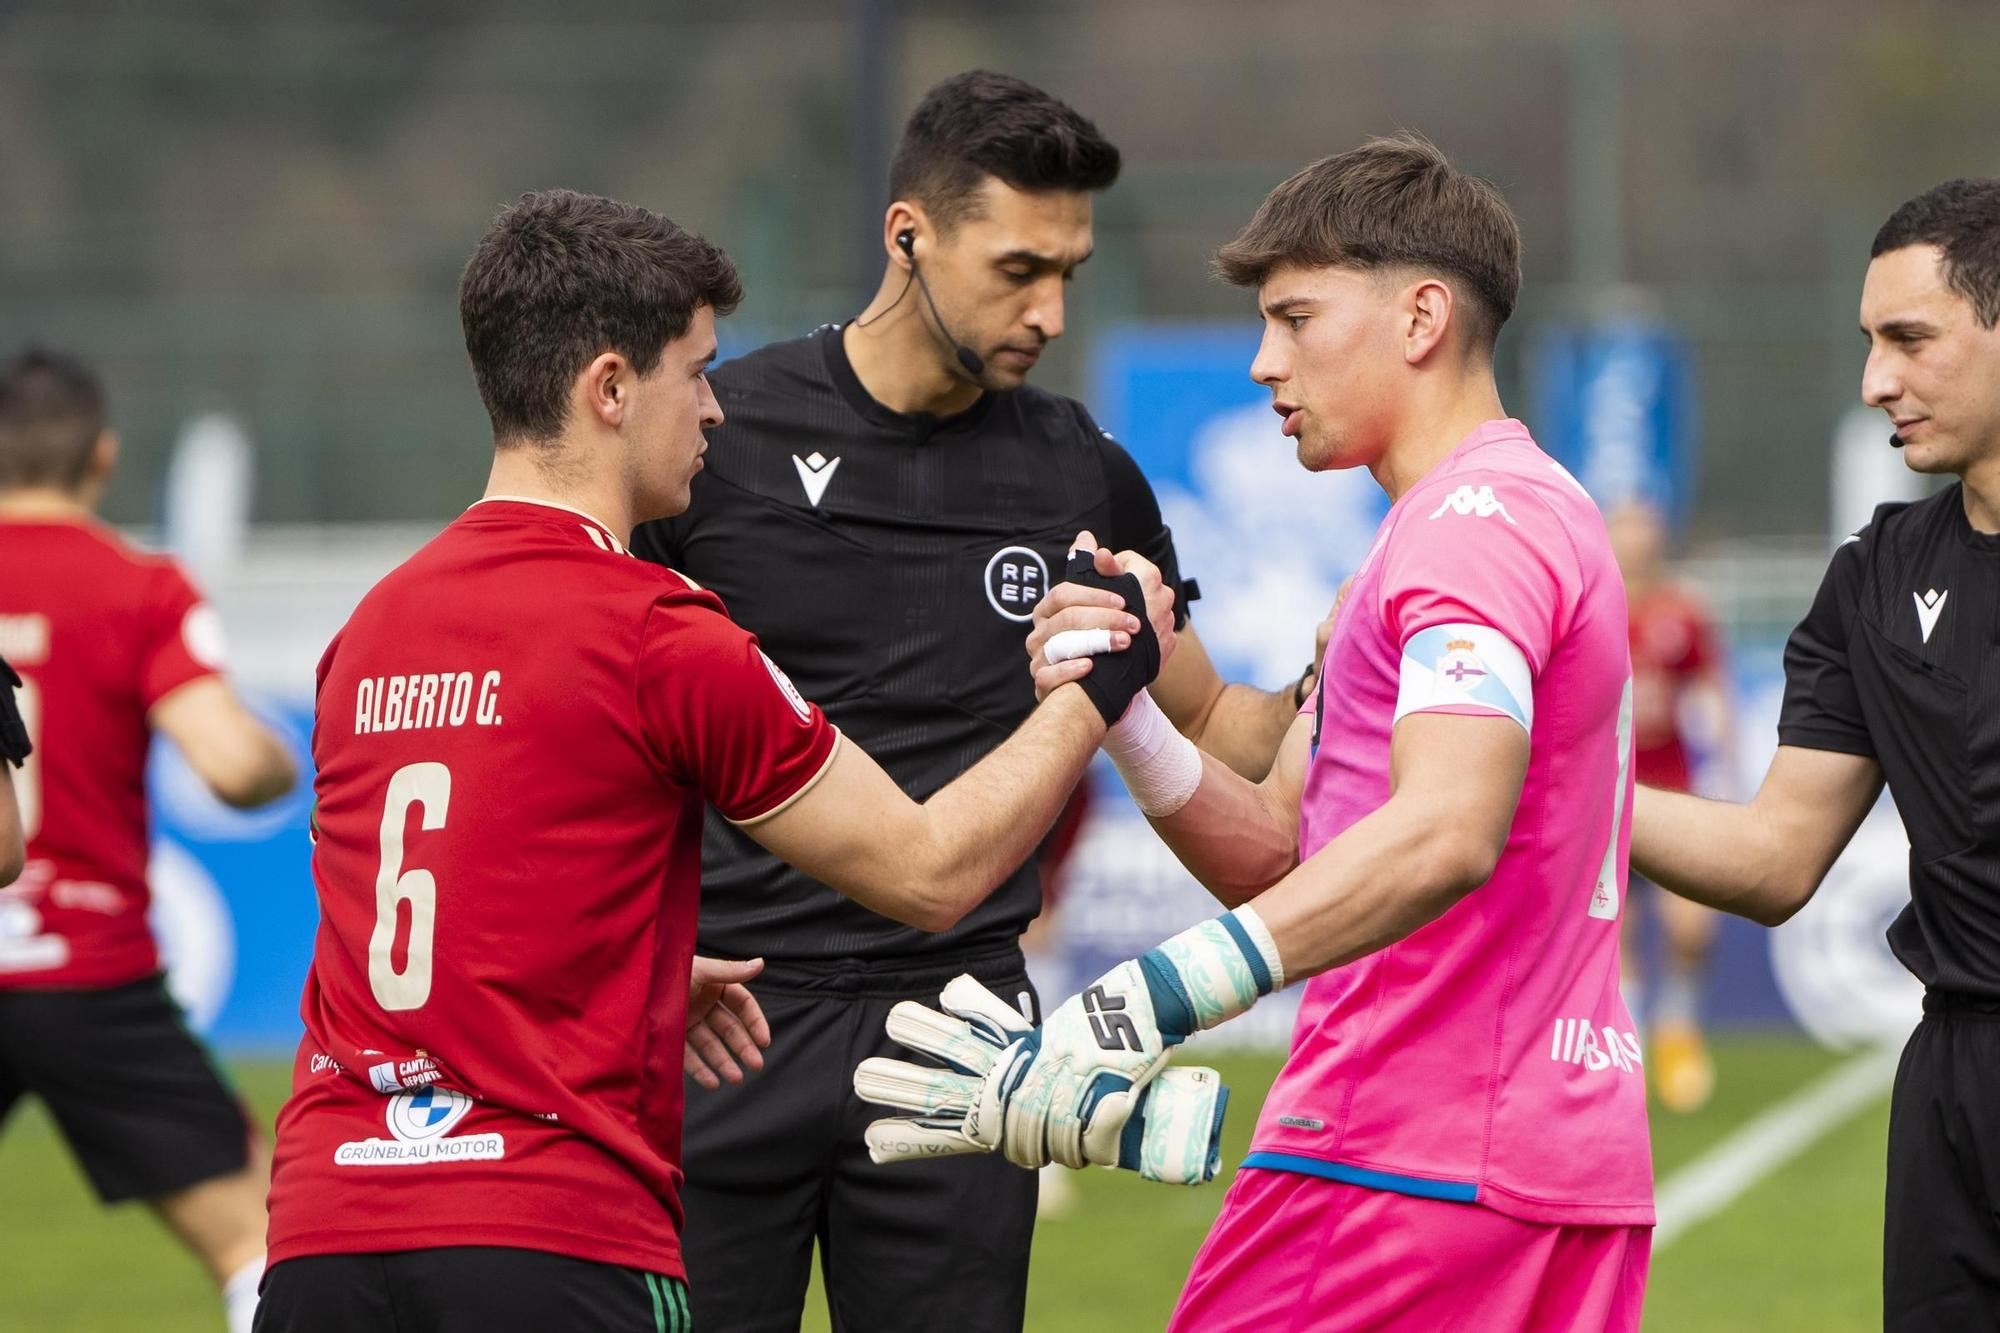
(233, 904)
(1614, 404)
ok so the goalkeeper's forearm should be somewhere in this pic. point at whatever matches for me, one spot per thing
(1234, 836)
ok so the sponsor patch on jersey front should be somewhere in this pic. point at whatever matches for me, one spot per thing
(420, 1125)
(1016, 579)
(1576, 1041)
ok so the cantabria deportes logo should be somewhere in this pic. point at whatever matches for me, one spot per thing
(421, 1123)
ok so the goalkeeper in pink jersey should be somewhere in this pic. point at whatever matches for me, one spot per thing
(1458, 1139)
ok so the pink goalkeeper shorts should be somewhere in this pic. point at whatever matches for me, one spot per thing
(1294, 1253)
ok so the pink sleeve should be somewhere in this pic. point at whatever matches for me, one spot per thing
(1498, 559)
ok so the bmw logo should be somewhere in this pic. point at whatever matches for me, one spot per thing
(426, 1113)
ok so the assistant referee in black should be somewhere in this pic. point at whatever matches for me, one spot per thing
(1895, 674)
(884, 507)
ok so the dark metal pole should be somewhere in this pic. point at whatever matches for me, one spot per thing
(877, 42)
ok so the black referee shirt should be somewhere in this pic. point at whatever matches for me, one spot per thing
(890, 562)
(1899, 659)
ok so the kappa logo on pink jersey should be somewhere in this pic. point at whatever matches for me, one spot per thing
(1576, 1042)
(1481, 503)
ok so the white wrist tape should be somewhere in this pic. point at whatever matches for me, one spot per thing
(1161, 767)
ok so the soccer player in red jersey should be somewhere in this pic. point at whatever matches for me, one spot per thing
(516, 732)
(113, 646)
(1677, 673)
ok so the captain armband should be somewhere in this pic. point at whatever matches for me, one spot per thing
(1466, 668)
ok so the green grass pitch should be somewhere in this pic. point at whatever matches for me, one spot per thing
(1800, 1250)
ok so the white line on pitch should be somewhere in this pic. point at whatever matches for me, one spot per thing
(1714, 1180)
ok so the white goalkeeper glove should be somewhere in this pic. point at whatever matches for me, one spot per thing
(1087, 1086)
(1172, 1135)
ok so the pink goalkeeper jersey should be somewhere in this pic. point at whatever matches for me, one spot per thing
(1488, 1057)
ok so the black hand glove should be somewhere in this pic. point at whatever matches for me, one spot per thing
(13, 731)
(1115, 679)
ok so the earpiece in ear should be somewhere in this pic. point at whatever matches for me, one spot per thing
(908, 241)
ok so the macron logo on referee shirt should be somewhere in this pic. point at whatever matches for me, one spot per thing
(1930, 605)
(815, 471)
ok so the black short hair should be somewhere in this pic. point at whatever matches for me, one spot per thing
(561, 278)
(982, 124)
(51, 413)
(1962, 218)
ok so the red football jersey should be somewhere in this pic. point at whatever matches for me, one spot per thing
(1673, 642)
(100, 633)
(515, 733)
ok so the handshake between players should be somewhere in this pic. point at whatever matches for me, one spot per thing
(1091, 1086)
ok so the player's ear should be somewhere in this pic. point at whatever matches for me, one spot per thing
(103, 456)
(605, 388)
(900, 227)
(1426, 315)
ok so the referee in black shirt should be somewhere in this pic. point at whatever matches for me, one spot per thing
(884, 507)
(1895, 673)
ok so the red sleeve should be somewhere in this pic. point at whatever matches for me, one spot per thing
(721, 715)
(183, 637)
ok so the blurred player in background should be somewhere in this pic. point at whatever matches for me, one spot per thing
(515, 733)
(114, 646)
(1679, 676)
(1458, 1138)
(883, 509)
(1890, 676)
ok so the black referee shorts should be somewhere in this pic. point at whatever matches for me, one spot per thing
(1941, 1225)
(778, 1162)
(133, 1091)
(467, 1289)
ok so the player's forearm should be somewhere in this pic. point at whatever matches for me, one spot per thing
(1389, 874)
(1230, 835)
(1243, 728)
(13, 848)
(986, 823)
(255, 771)
(1717, 853)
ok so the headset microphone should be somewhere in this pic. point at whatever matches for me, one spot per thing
(1895, 440)
(974, 364)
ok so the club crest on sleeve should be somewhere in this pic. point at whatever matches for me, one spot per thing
(785, 686)
(1480, 503)
(1016, 579)
(1460, 669)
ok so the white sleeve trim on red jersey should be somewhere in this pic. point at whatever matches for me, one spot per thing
(804, 787)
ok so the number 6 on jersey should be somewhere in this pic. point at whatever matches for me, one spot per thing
(427, 785)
